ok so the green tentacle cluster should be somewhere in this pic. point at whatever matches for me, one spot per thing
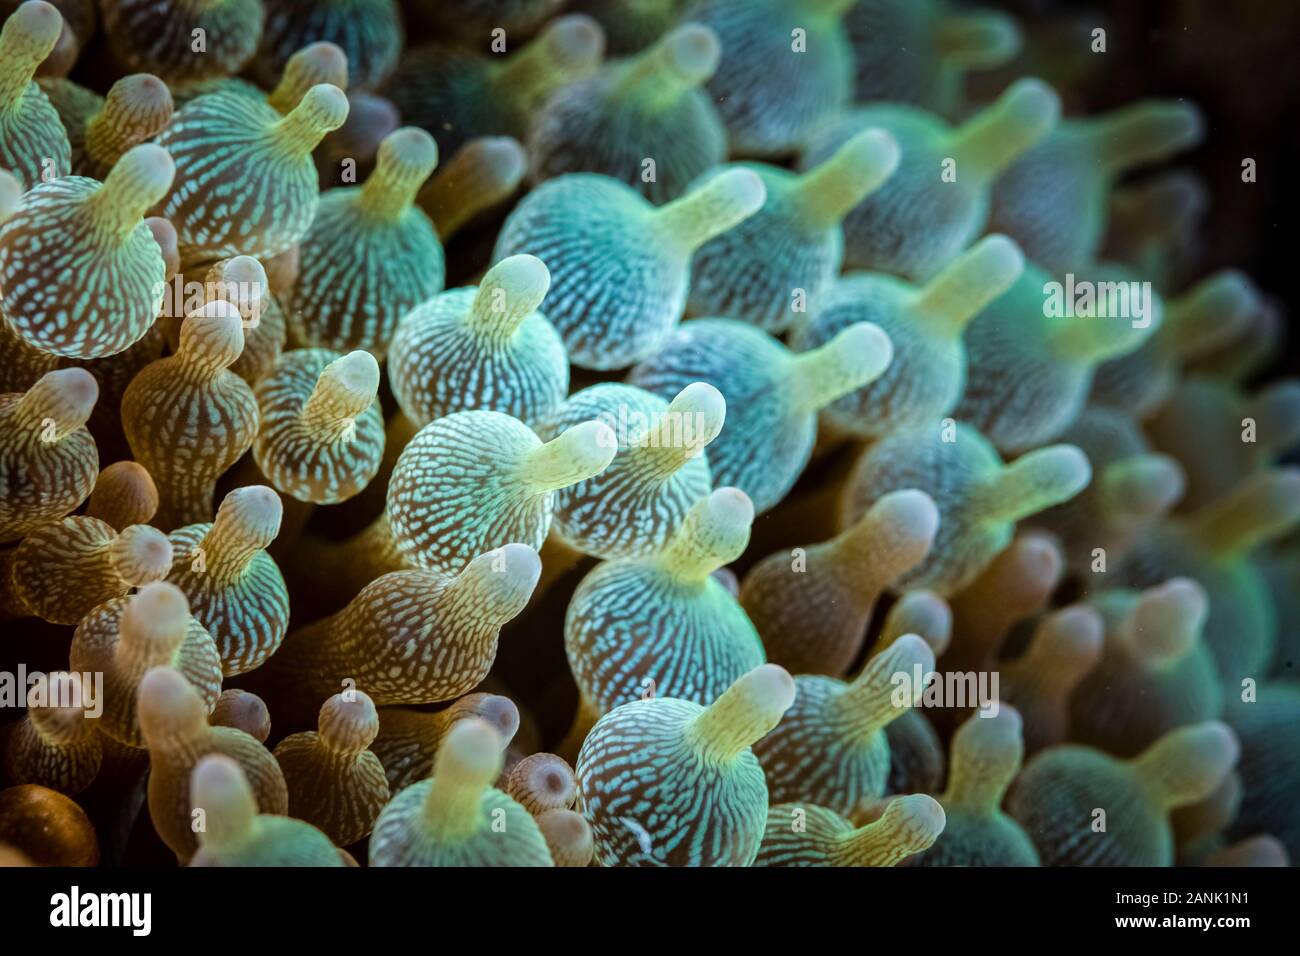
(245, 183)
(938, 200)
(97, 230)
(919, 51)
(370, 254)
(451, 819)
(1082, 807)
(458, 94)
(482, 348)
(830, 747)
(473, 481)
(620, 267)
(33, 143)
(1053, 200)
(645, 120)
(667, 782)
(660, 471)
(235, 587)
(768, 268)
(773, 395)
(978, 497)
(926, 376)
(662, 624)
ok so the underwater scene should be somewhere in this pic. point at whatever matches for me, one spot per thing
(648, 433)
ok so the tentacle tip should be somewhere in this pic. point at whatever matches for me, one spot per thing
(1004, 255)
(150, 551)
(910, 652)
(593, 445)
(327, 105)
(475, 745)
(502, 154)
(148, 164)
(923, 809)
(704, 401)
(874, 149)
(217, 782)
(576, 40)
(322, 58)
(36, 24)
(911, 512)
(501, 712)
(865, 347)
(693, 51)
(523, 275)
(77, 390)
(358, 372)
(1034, 103)
(745, 187)
(731, 506)
(160, 604)
(518, 562)
(256, 509)
(411, 146)
(772, 685)
(144, 91)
